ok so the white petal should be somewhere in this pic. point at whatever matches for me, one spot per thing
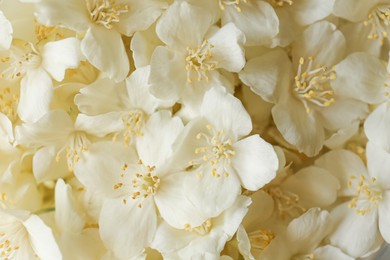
(384, 216)
(360, 76)
(105, 50)
(255, 162)
(309, 11)
(298, 127)
(53, 128)
(5, 32)
(228, 50)
(353, 10)
(377, 125)
(127, 229)
(341, 136)
(355, 234)
(152, 149)
(322, 41)
(377, 161)
(268, 75)
(330, 252)
(100, 125)
(176, 27)
(61, 55)
(225, 111)
(307, 231)
(168, 75)
(46, 167)
(173, 204)
(252, 14)
(71, 14)
(66, 216)
(314, 186)
(211, 195)
(342, 164)
(102, 96)
(141, 15)
(42, 239)
(36, 92)
(260, 210)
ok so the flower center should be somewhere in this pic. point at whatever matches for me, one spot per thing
(134, 122)
(280, 3)
(200, 61)
(144, 183)
(105, 12)
(7, 248)
(234, 3)
(78, 144)
(312, 85)
(202, 230)
(368, 194)
(218, 150)
(260, 239)
(20, 60)
(378, 20)
(9, 103)
(43, 32)
(287, 203)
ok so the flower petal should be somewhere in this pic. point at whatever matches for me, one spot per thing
(105, 50)
(255, 162)
(5, 32)
(377, 125)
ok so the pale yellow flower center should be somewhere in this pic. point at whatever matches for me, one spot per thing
(7, 248)
(280, 3)
(9, 103)
(134, 122)
(77, 145)
(202, 230)
(368, 194)
(43, 32)
(379, 20)
(260, 239)
(312, 84)
(218, 151)
(143, 184)
(200, 61)
(287, 203)
(21, 59)
(233, 3)
(106, 12)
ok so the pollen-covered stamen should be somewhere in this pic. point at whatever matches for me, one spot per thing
(77, 145)
(287, 203)
(143, 184)
(260, 239)
(202, 230)
(234, 3)
(368, 194)
(218, 151)
(9, 103)
(280, 3)
(43, 32)
(134, 122)
(200, 61)
(312, 85)
(106, 12)
(7, 248)
(20, 60)
(379, 20)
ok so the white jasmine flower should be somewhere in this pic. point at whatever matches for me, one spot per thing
(59, 141)
(219, 158)
(25, 236)
(138, 185)
(313, 111)
(129, 103)
(189, 64)
(208, 238)
(365, 212)
(103, 22)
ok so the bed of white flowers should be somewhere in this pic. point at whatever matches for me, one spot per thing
(194, 129)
